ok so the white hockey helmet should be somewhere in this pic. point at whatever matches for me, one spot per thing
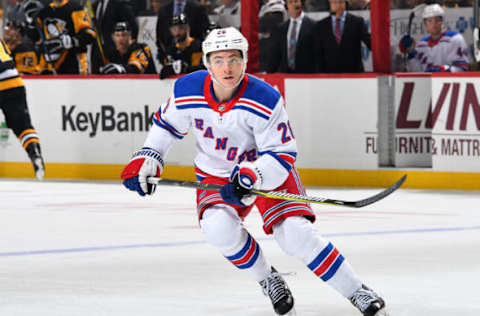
(224, 39)
(433, 10)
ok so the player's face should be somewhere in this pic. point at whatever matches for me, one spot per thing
(179, 32)
(434, 25)
(11, 34)
(122, 40)
(227, 67)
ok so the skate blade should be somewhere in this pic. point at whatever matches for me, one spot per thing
(40, 173)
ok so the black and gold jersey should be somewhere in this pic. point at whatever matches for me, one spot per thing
(72, 19)
(137, 59)
(191, 54)
(27, 59)
(9, 77)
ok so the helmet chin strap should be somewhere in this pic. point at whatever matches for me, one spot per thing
(234, 86)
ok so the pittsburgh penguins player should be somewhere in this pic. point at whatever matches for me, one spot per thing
(65, 30)
(13, 103)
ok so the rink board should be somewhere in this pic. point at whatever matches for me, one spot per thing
(89, 128)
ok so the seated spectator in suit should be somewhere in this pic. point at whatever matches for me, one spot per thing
(338, 39)
(129, 57)
(228, 14)
(196, 15)
(294, 51)
(271, 15)
(184, 55)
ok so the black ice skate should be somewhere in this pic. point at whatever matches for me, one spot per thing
(368, 302)
(35, 155)
(275, 287)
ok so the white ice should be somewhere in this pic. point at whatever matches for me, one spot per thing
(91, 248)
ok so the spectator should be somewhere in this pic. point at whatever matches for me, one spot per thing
(129, 57)
(338, 41)
(66, 30)
(24, 53)
(108, 13)
(271, 15)
(359, 5)
(184, 55)
(294, 51)
(196, 15)
(440, 51)
(228, 14)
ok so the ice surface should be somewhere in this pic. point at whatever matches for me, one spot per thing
(79, 248)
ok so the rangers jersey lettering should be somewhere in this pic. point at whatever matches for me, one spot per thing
(448, 53)
(252, 126)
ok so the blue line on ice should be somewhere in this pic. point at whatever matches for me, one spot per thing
(197, 242)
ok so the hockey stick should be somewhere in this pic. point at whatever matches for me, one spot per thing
(419, 8)
(285, 196)
(97, 31)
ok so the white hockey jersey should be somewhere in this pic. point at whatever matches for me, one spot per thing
(252, 126)
(449, 53)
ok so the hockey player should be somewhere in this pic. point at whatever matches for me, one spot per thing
(184, 55)
(24, 53)
(129, 56)
(440, 51)
(244, 141)
(66, 30)
(13, 103)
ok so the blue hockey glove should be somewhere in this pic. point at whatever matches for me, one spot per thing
(243, 178)
(146, 162)
(406, 44)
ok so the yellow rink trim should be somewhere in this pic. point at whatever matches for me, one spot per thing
(310, 177)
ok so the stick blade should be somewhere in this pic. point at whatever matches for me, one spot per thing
(381, 195)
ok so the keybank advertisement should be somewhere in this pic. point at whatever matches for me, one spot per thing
(89, 121)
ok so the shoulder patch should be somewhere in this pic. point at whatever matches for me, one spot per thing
(425, 39)
(260, 92)
(190, 84)
(450, 33)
